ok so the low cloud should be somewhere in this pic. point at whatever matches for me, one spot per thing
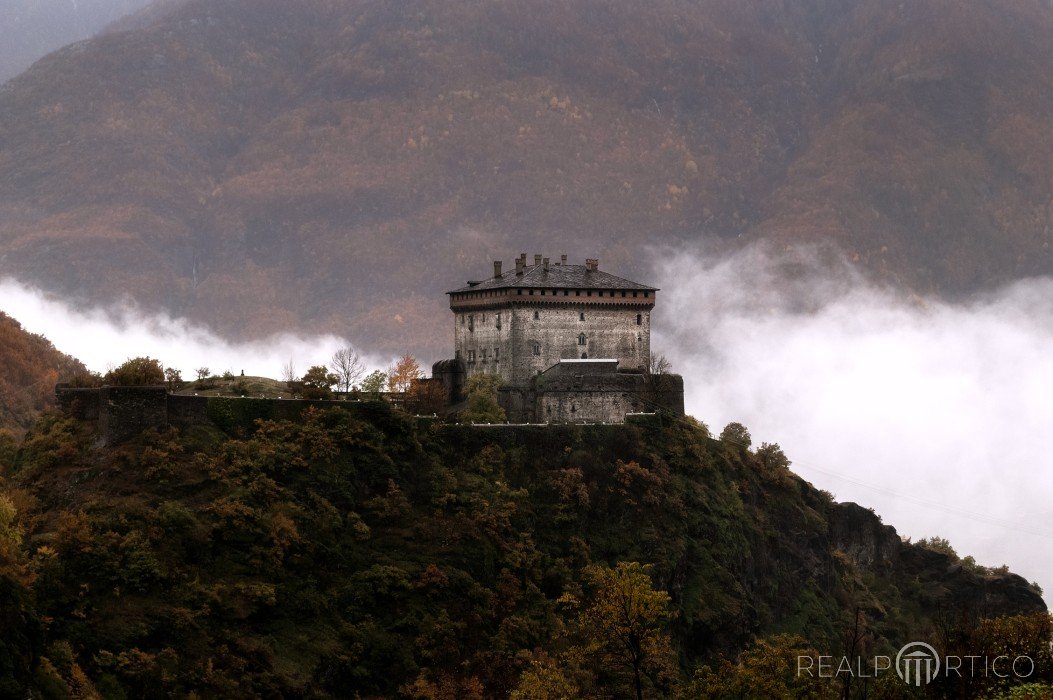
(103, 339)
(934, 414)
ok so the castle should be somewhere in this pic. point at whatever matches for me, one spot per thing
(570, 343)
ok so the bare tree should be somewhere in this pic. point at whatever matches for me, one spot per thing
(202, 372)
(348, 367)
(659, 365)
(289, 372)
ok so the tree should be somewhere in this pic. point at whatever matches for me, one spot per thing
(289, 373)
(203, 372)
(482, 406)
(658, 365)
(736, 434)
(374, 383)
(173, 378)
(317, 382)
(138, 371)
(402, 376)
(348, 367)
(624, 622)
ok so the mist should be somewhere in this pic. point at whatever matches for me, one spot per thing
(104, 338)
(934, 414)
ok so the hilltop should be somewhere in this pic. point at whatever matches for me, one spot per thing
(29, 368)
(361, 550)
(335, 166)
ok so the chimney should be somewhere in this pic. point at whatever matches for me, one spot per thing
(519, 265)
(563, 260)
(545, 263)
(537, 259)
(592, 264)
(497, 268)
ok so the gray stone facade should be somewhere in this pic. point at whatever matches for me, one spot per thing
(535, 325)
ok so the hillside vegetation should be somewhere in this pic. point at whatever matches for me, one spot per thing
(362, 551)
(29, 368)
(265, 165)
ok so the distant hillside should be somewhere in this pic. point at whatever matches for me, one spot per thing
(29, 368)
(266, 165)
(31, 28)
(363, 552)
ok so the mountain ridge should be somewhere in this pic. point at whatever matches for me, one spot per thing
(335, 167)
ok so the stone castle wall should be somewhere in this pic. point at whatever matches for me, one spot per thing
(502, 341)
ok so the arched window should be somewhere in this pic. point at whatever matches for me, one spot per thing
(639, 319)
(581, 316)
(537, 315)
(582, 340)
(584, 355)
(537, 348)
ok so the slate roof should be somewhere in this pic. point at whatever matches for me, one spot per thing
(557, 277)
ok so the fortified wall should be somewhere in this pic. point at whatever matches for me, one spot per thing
(121, 413)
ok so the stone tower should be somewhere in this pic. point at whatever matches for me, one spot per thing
(521, 322)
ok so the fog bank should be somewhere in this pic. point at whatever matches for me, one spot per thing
(934, 414)
(103, 339)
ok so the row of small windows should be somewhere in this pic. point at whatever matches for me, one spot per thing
(469, 319)
(554, 293)
(485, 355)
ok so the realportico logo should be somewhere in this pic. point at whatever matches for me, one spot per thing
(917, 664)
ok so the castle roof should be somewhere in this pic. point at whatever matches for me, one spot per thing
(555, 277)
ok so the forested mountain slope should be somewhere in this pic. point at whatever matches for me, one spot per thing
(365, 551)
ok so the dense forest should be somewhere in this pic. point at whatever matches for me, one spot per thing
(30, 366)
(362, 552)
(264, 165)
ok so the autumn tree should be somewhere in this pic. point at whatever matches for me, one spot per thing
(402, 376)
(173, 378)
(624, 625)
(770, 668)
(482, 406)
(317, 383)
(374, 383)
(348, 367)
(138, 371)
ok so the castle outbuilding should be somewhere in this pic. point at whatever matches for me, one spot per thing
(571, 343)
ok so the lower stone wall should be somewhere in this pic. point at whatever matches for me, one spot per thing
(602, 397)
(126, 411)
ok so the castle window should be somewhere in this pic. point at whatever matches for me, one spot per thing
(537, 348)
(531, 292)
(588, 293)
(519, 292)
(471, 323)
(462, 319)
(639, 319)
(537, 315)
(566, 292)
(497, 354)
(582, 340)
(634, 295)
(483, 319)
(577, 292)
(498, 321)
(584, 355)
(471, 357)
(646, 295)
(581, 316)
(623, 294)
